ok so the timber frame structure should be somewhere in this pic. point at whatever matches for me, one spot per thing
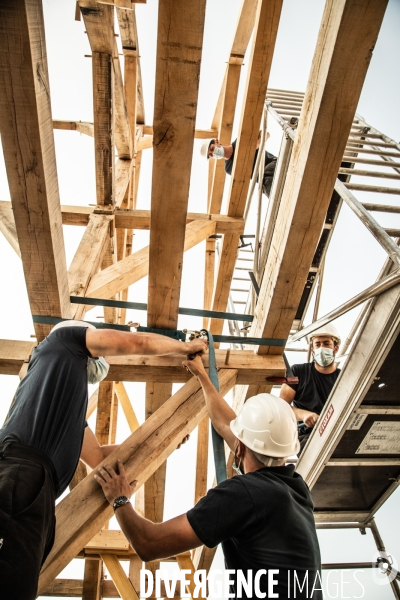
(323, 140)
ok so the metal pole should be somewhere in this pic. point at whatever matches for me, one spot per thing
(260, 192)
(368, 220)
(381, 549)
(377, 288)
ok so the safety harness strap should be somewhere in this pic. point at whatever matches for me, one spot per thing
(217, 440)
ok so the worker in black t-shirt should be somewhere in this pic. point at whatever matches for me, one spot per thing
(316, 380)
(214, 149)
(46, 432)
(263, 518)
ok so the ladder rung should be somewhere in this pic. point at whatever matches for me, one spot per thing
(241, 278)
(249, 259)
(238, 302)
(239, 290)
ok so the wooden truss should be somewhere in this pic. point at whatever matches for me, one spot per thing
(105, 265)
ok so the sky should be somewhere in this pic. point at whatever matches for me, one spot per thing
(354, 258)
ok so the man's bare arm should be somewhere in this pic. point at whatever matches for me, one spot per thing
(309, 418)
(150, 540)
(92, 453)
(109, 342)
(221, 414)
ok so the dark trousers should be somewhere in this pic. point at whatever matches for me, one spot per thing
(27, 521)
(268, 177)
(304, 433)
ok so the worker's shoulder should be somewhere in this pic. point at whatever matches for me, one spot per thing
(67, 339)
(302, 368)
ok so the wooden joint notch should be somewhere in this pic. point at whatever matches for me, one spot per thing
(236, 59)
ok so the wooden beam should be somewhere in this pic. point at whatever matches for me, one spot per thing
(99, 23)
(7, 226)
(251, 368)
(104, 411)
(130, 44)
(88, 257)
(81, 126)
(121, 275)
(91, 589)
(13, 354)
(28, 143)
(121, 581)
(200, 489)
(347, 36)
(266, 28)
(185, 563)
(103, 126)
(179, 45)
(125, 402)
(82, 513)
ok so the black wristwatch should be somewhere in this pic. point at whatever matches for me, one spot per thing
(120, 501)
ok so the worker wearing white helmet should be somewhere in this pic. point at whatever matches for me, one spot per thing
(316, 380)
(45, 434)
(263, 519)
(212, 148)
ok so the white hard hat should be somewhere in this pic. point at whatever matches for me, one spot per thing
(205, 146)
(267, 425)
(73, 323)
(328, 330)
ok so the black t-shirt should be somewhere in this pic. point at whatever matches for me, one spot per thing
(264, 520)
(313, 388)
(229, 163)
(50, 405)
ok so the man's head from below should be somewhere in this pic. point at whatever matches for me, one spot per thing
(266, 430)
(97, 368)
(212, 149)
(325, 344)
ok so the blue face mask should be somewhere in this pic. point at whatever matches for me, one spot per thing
(324, 357)
(97, 369)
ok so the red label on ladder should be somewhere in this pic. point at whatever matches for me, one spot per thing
(326, 420)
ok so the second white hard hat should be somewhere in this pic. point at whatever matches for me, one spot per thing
(266, 424)
(328, 330)
(205, 146)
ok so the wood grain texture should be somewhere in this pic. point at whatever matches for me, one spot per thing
(263, 45)
(121, 275)
(82, 513)
(337, 74)
(26, 129)
(179, 45)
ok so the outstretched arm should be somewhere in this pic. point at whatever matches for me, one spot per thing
(150, 540)
(109, 342)
(218, 409)
(308, 417)
(92, 453)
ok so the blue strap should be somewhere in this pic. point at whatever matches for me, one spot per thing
(217, 440)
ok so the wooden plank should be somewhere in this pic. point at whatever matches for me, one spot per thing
(185, 563)
(251, 368)
(28, 144)
(104, 406)
(103, 126)
(266, 27)
(201, 460)
(91, 589)
(82, 126)
(179, 45)
(121, 275)
(130, 43)
(154, 489)
(125, 218)
(108, 541)
(81, 514)
(126, 406)
(7, 226)
(329, 106)
(88, 257)
(123, 134)
(122, 583)
(13, 354)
